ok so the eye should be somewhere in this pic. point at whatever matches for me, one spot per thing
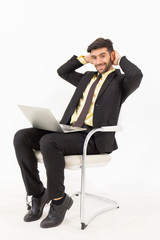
(93, 57)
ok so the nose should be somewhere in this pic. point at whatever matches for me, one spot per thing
(98, 61)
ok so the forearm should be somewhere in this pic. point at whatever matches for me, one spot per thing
(132, 79)
(67, 71)
(129, 68)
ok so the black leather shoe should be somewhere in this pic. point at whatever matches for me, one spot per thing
(56, 213)
(37, 208)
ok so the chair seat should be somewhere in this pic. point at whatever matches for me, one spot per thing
(74, 162)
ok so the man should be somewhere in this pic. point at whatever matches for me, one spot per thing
(96, 102)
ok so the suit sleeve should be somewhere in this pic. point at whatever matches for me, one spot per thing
(132, 79)
(68, 73)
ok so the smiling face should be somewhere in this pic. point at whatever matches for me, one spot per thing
(102, 59)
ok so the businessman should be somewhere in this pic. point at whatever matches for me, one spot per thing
(96, 102)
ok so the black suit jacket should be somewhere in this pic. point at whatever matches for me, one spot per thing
(114, 91)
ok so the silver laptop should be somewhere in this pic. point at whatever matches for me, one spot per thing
(43, 118)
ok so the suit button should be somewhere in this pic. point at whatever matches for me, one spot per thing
(97, 105)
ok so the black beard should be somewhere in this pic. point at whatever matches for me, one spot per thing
(108, 66)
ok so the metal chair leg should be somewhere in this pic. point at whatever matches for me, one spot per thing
(84, 221)
(115, 205)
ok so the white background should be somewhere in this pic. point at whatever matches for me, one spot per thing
(36, 37)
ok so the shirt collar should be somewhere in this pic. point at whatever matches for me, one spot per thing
(105, 75)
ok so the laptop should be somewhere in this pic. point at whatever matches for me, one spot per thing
(43, 118)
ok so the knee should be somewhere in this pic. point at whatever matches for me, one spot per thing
(45, 142)
(18, 138)
(48, 142)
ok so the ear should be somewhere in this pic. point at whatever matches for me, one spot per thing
(112, 55)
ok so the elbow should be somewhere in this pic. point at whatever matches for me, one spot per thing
(139, 77)
(136, 79)
(59, 71)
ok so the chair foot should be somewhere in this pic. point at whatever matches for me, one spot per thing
(83, 226)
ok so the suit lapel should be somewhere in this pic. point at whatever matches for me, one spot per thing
(106, 83)
(83, 84)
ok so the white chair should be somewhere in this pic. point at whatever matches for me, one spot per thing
(75, 162)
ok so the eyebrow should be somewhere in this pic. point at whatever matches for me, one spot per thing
(102, 53)
(99, 54)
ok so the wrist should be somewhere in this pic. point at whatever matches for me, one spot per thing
(82, 59)
(118, 61)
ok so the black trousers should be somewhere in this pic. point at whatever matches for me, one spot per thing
(53, 146)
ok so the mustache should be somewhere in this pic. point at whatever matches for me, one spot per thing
(101, 64)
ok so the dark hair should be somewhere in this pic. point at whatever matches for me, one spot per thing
(100, 43)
